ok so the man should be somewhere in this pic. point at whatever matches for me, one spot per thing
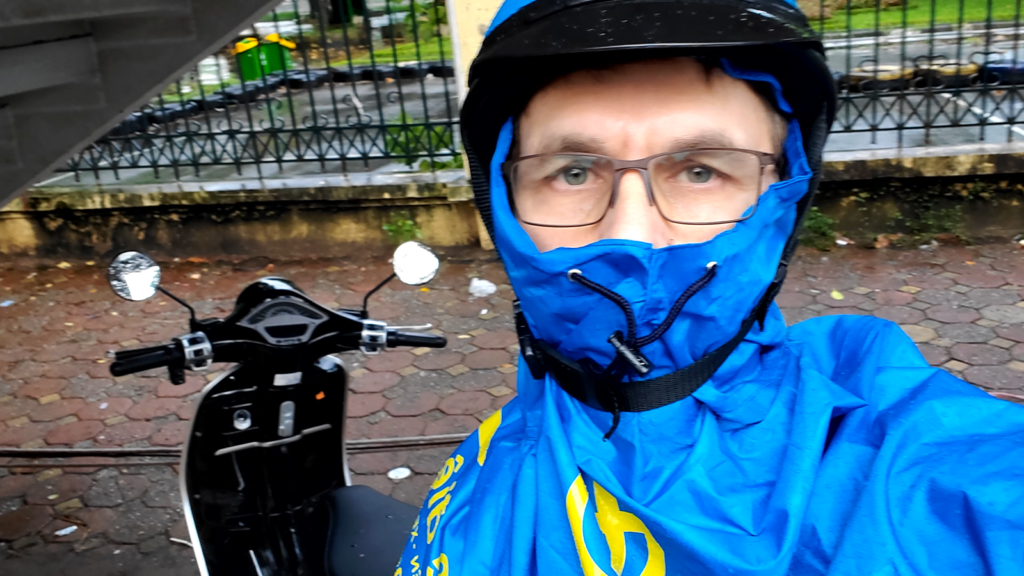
(668, 422)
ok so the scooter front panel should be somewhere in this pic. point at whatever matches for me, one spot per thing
(262, 451)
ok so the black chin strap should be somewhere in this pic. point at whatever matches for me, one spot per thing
(608, 392)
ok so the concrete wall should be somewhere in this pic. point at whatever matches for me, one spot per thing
(974, 208)
(278, 223)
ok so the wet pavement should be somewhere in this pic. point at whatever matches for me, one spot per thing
(962, 305)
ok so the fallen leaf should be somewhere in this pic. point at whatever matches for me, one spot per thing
(197, 260)
(969, 263)
(196, 276)
(90, 263)
(886, 240)
(64, 265)
(424, 289)
(837, 295)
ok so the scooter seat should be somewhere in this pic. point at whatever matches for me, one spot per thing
(368, 532)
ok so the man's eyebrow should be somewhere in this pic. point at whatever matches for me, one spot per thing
(573, 144)
(703, 140)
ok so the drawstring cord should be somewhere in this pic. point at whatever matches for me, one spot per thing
(628, 350)
(709, 275)
(606, 376)
(617, 299)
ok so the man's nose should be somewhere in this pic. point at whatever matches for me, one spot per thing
(633, 216)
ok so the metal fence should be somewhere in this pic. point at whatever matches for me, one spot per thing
(315, 86)
(344, 86)
(916, 73)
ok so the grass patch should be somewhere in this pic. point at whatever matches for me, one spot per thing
(429, 51)
(919, 13)
(818, 230)
(402, 228)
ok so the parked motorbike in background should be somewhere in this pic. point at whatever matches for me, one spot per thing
(265, 483)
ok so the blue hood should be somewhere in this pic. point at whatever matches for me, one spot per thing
(578, 322)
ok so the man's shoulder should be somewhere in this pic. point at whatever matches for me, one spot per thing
(842, 324)
(879, 362)
(841, 342)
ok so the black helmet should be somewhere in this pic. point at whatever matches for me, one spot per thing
(545, 39)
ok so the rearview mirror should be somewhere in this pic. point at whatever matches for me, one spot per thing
(134, 276)
(415, 263)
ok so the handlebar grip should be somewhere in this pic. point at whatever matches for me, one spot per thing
(416, 340)
(158, 357)
(122, 355)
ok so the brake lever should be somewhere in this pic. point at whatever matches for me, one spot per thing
(421, 328)
(374, 337)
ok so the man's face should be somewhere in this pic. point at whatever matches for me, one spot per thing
(635, 111)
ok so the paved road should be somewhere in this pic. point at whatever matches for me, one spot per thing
(963, 305)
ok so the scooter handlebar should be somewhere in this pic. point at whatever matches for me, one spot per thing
(147, 359)
(416, 340)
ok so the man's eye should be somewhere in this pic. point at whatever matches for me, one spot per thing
(575, 176)
(698, 174)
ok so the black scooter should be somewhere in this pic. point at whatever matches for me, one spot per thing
(264, 478)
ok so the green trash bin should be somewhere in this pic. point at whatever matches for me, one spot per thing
(275, 53)
(257, 59)
(250, 67)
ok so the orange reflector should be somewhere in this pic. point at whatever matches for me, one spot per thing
(321, 396)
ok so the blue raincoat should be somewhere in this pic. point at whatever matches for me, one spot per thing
(829, 447)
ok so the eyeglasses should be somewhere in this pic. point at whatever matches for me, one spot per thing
(701, 186)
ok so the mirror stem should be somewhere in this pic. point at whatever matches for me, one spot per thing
(373, 291)
(191, 310)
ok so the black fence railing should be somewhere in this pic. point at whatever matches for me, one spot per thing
(347, 86)
(916, 73)
(315, 86)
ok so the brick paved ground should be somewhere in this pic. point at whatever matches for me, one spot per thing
(963, 305)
